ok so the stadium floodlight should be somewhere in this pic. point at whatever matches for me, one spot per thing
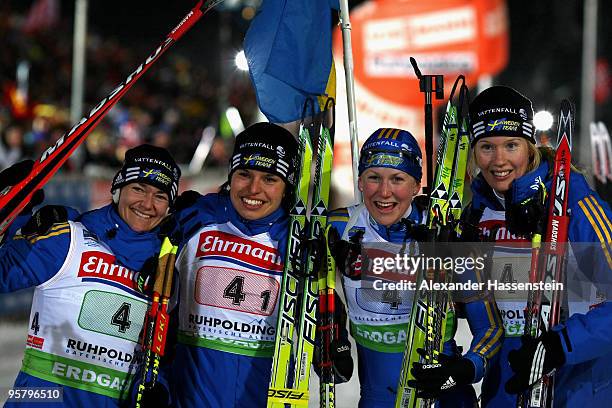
(543, 120)
(241, 61)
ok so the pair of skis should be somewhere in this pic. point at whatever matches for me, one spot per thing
(548, 262)
(297, 316)
(427, 328)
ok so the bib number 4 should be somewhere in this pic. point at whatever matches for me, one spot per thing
(121, 318)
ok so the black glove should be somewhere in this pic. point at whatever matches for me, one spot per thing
(347, 254)
(342, 362)
(16, 173)
(156, 396)
(419, 232)
(169, 227)
(340, 347)
(12, 176)
(432, 380)
(467, 232)
(526, 217)
(43, 219)
(535, 358)
(144, 277)
(185, 200)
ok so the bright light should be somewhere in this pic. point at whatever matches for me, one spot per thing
(241, 61)
(543, 120)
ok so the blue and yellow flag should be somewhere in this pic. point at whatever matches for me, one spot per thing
(288, 49)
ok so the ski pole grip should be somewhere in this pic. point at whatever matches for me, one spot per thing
(162, 263)
(417, 71)
(169, 272)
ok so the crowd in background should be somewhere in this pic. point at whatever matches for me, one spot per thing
(168, 107)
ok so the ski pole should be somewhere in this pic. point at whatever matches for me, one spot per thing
(429, 84)
(532, 310)
(327, 330)
(347, 48)
(157, 320)
(13, 199)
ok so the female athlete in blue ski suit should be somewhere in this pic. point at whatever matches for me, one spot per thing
(581, 346)
(230, 265)
(391, 159)
(86, 312)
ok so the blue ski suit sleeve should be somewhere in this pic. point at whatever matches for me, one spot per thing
(484, 320)
(338, 219)
(202, 212)
(27, 261)
(22, 219)
(589, 336)
(17, 223)
(487, 334)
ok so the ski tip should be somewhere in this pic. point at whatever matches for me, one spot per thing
(566, 122)
(567, 106)
(460, 80)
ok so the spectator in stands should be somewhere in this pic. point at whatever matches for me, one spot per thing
(11, 146)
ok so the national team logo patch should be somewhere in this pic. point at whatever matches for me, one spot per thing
(100, 265)
(257, 160)
(502, 124)
(218, 243)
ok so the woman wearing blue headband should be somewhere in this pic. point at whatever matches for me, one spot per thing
(390, 178)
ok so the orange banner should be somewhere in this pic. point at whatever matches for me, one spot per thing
(448, 37)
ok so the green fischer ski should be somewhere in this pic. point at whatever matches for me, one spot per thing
(317, 224)
(456, 197)
(280, 390)
(428, 319)
(295, 347)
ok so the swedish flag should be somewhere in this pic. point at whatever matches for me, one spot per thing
(288, 49)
